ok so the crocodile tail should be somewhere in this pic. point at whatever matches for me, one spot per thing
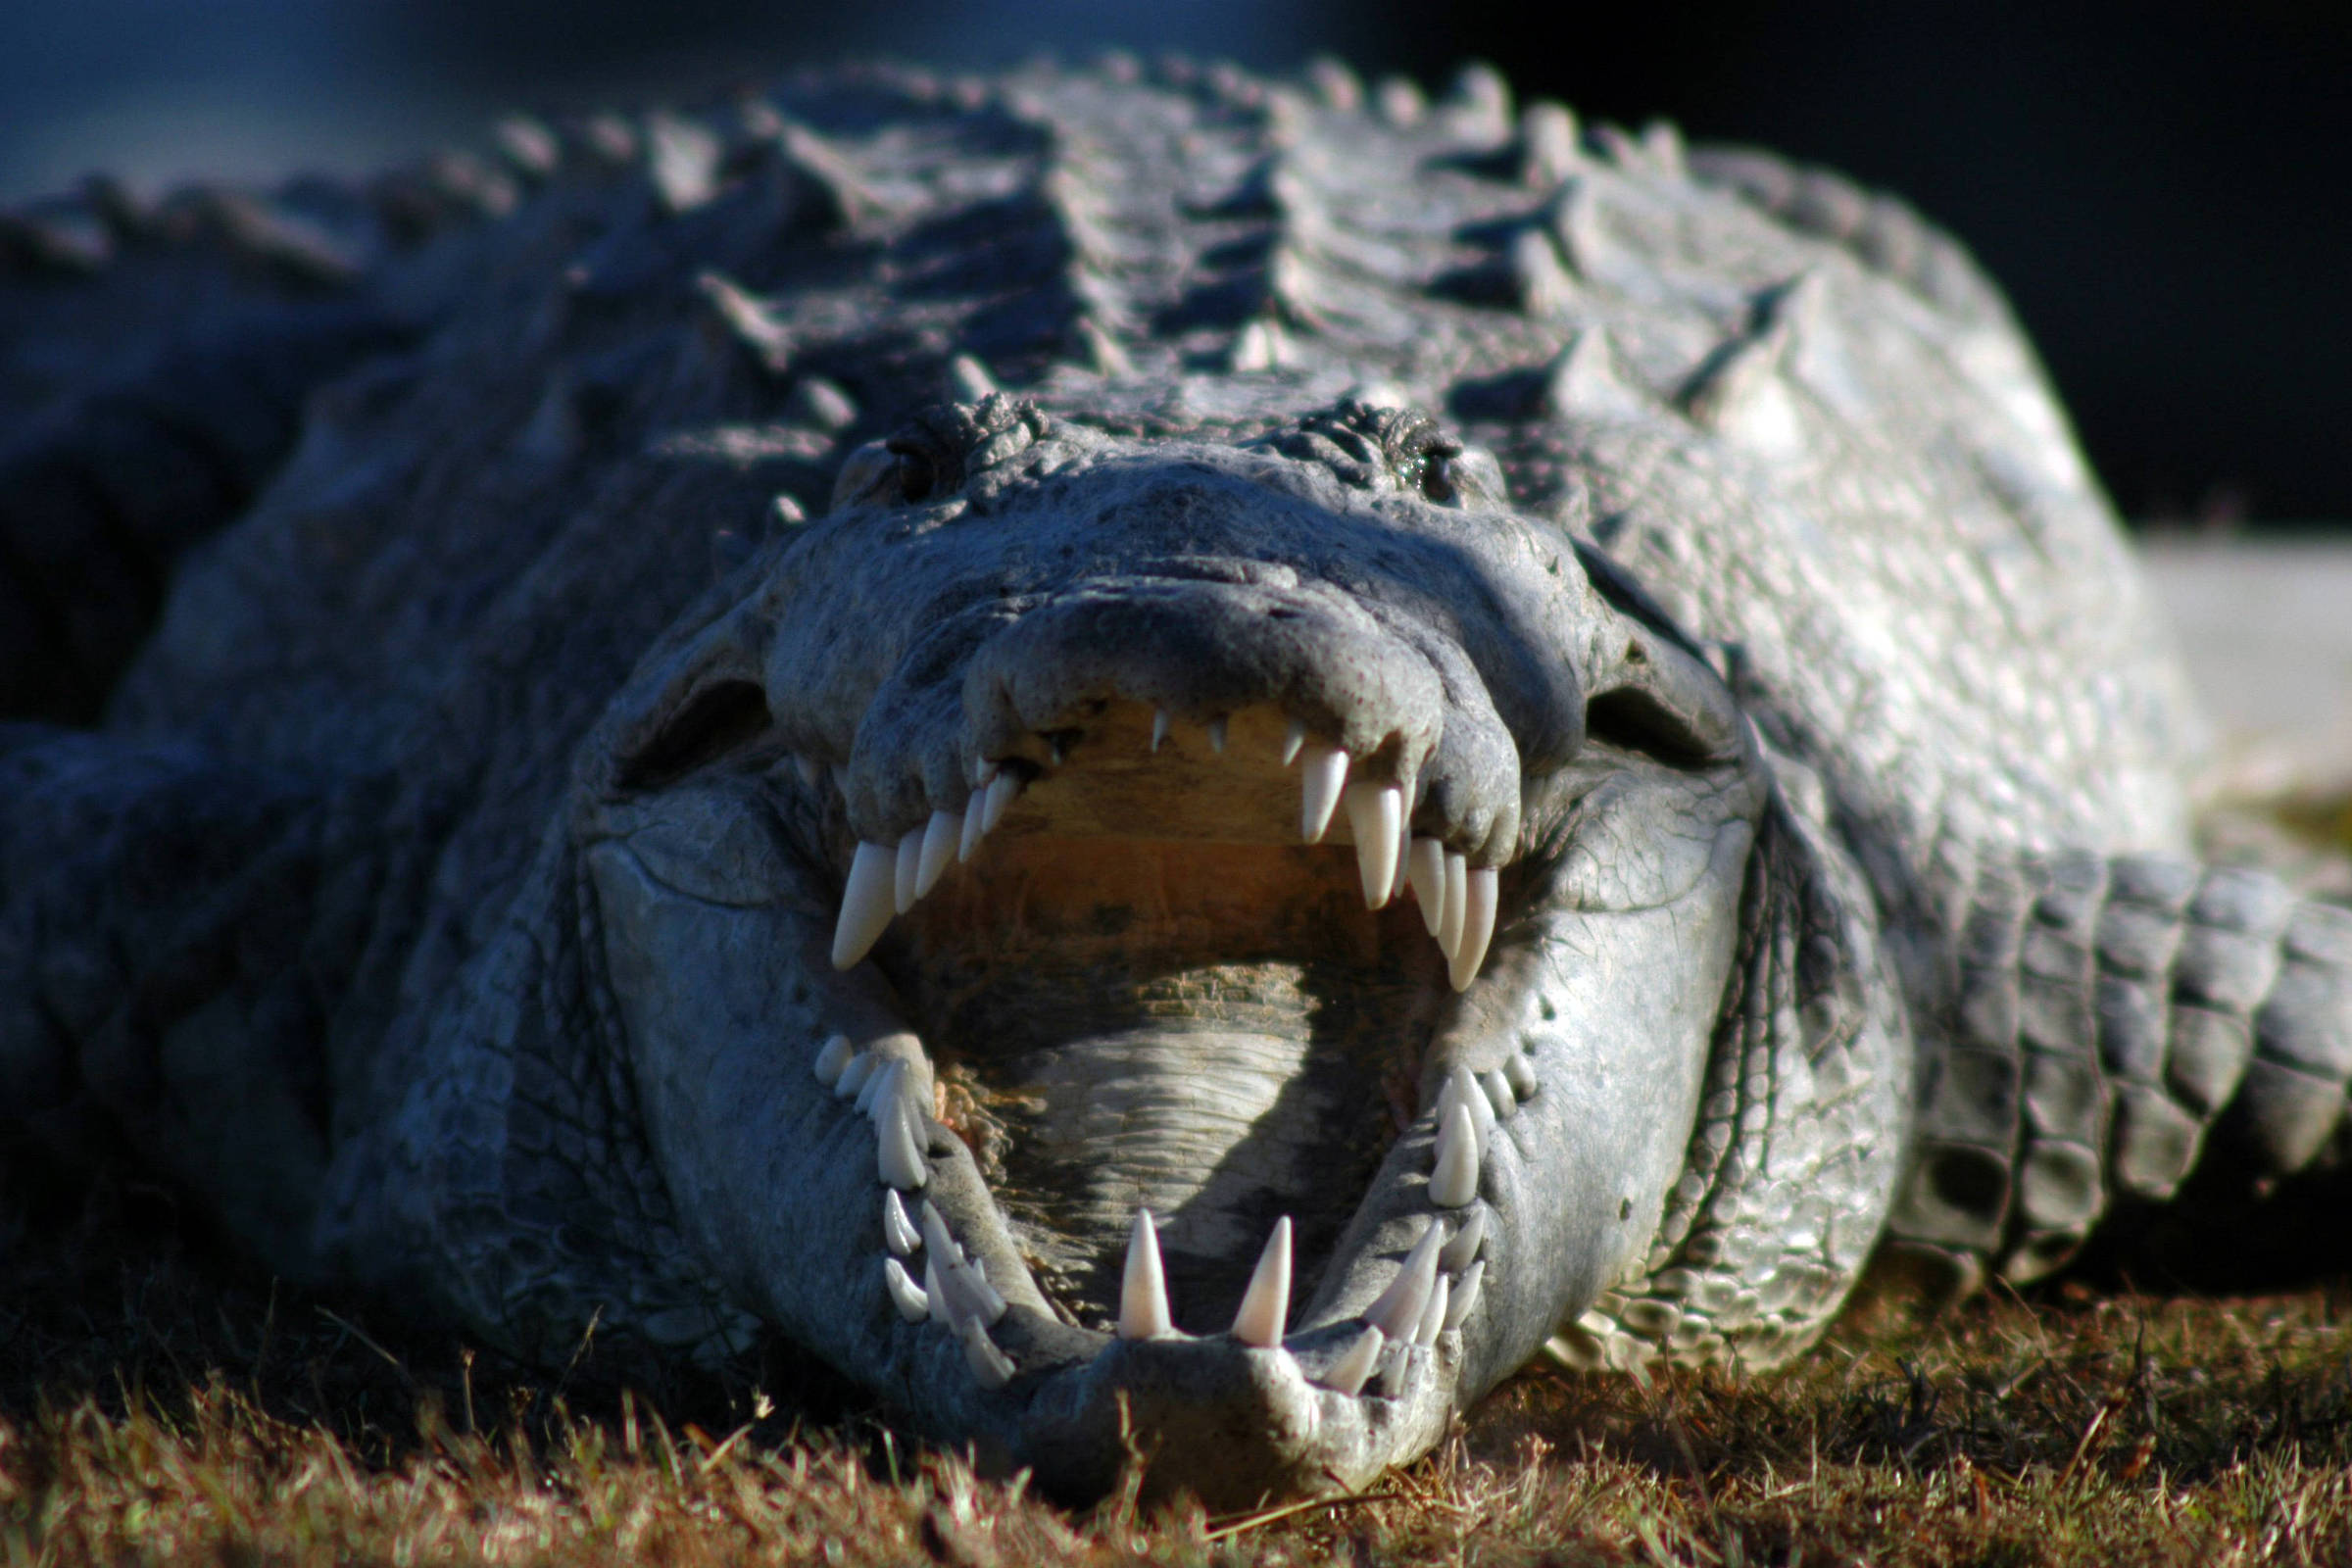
(2111, 1026)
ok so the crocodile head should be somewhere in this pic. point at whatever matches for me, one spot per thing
(1146, 946)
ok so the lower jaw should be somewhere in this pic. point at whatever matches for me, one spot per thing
(790, 1184)
(1221, 1076)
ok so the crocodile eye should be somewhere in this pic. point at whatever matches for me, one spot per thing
(1436, 478)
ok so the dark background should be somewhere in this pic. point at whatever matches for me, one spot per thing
(2161, 187)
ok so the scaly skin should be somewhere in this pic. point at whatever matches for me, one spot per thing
(531, 870)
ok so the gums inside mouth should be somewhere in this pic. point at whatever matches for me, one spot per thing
(1144, 991)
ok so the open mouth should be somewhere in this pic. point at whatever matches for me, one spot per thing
(1128, 1005)
(1174, 986)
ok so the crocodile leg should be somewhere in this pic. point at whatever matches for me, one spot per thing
(2111, 1024)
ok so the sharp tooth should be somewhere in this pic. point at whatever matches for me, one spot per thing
(1325, 776)
(1456, 1255)
(833, 1059)
(1348, 1373)
(1454, 1181)
(1465, 1296)
(1292, 739)
(1462, 1089)
(878, 1083)
(1266, 1305)
(1426, 865)
(1458, 901)
(853, 1077)
(897, 1231)
(1216, 736)
(810, 770)
(979, 1298)
(899, 1155)
(1000, 792)
(1144, 1292)
(1498, 1093)
(990, 1368)
(865, 903)
(1520, 1074)
(938, 1240)
(984, 773)
(907, 869)
(912, 1303)
(1433, 1316)
(1376, 816)
(1398, 1313)
(975, 824)
(1160, 726)
(1478, 926)
(939, 849)
(935, 1294)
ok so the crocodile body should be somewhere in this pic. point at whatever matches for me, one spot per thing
(1403, 731)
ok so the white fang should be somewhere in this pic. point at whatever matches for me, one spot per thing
(853, 1077)
(1457, 903)
(834, 1057)
(878, 1083)
(865, 903)
(1398, 1312)
(1433, 1316)
(1465, 1296)
(1376, 816)
(935, 1294)
(1319, 788)
(1478, 926)
(1144, 1291)
(897, 1231)
(938, 850)
(908, 1296)
(1001, 792)
(1498, 1093)
(1348, 1373)
(907, 870)
(1266, 1303)
(899, 1155)
(1426, 866)
(990, 1368)
(1454, 1181)
(1456, 1255)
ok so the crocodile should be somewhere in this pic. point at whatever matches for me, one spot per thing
(1172, 764)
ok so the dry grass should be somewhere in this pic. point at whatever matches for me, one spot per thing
(158, 1404)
